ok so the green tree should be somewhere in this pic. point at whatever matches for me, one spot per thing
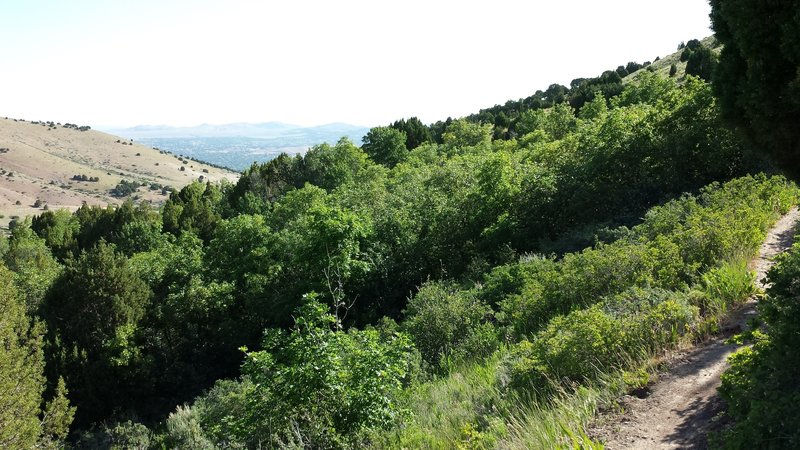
(59, 229)
(33, 265)
(196, 208)
(314, 386)
(701, 63)
(329, 166)
(416, 132)
(262, 184)
(448, 326)
(461, 136)
(385, 145)
(23, 422)
(757, 79)
(557, 121)
(92, 315)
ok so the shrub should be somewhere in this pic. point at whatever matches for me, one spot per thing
(574, 347)
(124, 188)
(761, 386)
(315, 386)
(126, 434)
(448, 325)
(612, 335)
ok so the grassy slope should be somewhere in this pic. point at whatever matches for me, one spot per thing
(43, 161)
(661, 67)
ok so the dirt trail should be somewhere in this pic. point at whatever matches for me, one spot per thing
(677, 411)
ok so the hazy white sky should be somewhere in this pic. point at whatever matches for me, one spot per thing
(309, 62)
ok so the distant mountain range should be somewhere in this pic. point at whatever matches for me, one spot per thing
(237, 145)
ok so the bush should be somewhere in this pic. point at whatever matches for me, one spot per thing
(124, 188)
(127, 435)
(315, 386)
(613, 335)
(448, 325)
(761, 386)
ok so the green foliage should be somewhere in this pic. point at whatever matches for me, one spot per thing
(33, 265)
(315, 386)
(117, 436)
(59, 229)
(449, 326)
(726, 286)
(760, 387)
(556, 122)
(671, 248)
(124, 188)
(608, 84)
(168, 297)
(701, 63)
(92, 313)
(416, 132)
(385, 145)
(331, 166)
(587, 343)
(184, 430)
(462, 136)
(262, 184)
(22, 381)
(757, 81)
(131, 227)
(195, 208)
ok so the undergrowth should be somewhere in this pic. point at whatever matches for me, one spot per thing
(602, 317)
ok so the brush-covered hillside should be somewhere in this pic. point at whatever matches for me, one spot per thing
(46, 164)
(485, 282)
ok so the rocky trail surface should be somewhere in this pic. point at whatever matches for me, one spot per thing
(678, 411)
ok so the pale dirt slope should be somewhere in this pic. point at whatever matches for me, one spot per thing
(679, 409)
(42, 160)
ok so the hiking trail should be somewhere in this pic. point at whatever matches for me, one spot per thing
(678, 410)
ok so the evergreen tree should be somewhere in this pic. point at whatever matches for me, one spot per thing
(416, 132)
(92, 314)
(758, 77)
(22, 381)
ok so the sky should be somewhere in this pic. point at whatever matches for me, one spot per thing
(114, 63)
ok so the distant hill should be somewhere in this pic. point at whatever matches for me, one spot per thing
(46, 164)
(237, 145)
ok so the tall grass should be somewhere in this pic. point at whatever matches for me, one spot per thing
(721, 289)
(464, 407)
(561, 422)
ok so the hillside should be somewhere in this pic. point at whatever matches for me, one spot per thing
(39, 161)
(662, 66)
(493, 281)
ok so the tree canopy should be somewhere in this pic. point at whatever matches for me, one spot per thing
(758, 77)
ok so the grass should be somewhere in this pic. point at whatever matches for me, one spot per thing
(722, 289)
